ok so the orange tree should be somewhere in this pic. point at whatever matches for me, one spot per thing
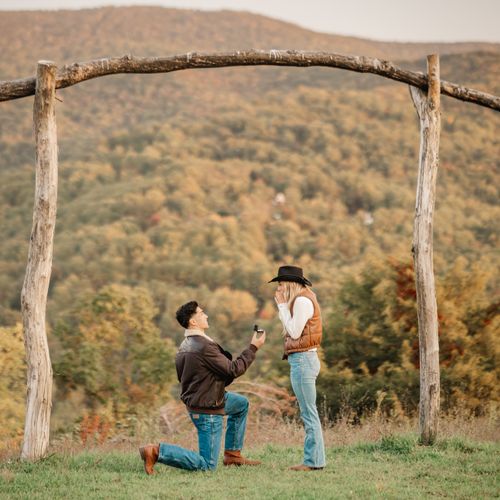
(371, 342)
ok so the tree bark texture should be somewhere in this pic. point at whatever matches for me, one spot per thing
(79, 72)
(428, 109)
(38, 270)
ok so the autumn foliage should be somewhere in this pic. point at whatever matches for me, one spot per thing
(198, 185)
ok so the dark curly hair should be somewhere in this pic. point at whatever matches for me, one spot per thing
(185, 312)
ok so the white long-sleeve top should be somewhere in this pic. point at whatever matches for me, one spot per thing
(303, 311)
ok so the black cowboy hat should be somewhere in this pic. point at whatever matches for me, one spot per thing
(291, 273)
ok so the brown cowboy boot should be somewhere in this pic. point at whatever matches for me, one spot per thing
(234, 457)
(303, 467)
(149, 454)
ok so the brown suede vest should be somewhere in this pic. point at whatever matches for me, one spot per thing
(312, 332)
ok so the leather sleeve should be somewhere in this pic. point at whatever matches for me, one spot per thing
(228, 370)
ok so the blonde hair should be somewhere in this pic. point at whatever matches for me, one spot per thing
(292, 289)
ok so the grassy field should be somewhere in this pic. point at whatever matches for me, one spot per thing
(394, 467)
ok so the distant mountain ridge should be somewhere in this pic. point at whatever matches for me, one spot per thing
(67, 36)
(163, 173)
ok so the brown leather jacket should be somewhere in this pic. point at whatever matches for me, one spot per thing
(313, 329)
(204, 369)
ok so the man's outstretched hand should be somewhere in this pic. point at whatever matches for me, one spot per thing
(258, 339)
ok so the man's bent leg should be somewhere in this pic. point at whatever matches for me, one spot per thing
(209, 429)
(175, 456)
(236, 409)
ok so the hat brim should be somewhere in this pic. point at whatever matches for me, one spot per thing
(295, 279)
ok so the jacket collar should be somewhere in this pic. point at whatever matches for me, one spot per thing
(191, 332)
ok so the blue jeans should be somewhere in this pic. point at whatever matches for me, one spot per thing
(209, 429)
(304, 368)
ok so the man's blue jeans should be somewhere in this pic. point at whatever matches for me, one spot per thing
(209, 429)
(304, 369)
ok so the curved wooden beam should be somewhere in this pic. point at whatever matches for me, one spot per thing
(79, 72)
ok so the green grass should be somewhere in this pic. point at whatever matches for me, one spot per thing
(395, 467)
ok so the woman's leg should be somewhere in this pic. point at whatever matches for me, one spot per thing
(303, 373)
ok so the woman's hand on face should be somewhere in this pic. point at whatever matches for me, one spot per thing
(279, 297)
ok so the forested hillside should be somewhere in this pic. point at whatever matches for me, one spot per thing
(200, 184)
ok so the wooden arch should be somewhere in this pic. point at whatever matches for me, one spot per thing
(425, 91)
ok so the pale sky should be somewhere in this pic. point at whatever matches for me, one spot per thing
(398, 20)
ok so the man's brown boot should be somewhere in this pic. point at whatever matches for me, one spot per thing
(303, 467)
(149, 454)
(234, 457)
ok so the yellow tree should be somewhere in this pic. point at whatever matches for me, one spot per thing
(12, 385)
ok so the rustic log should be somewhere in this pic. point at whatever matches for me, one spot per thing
(428, 109)
(38, 270)
(79, 72)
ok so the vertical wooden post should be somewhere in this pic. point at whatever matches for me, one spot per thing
(428, 109)
(39, 267)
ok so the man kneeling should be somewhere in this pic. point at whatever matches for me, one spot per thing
(204, 369)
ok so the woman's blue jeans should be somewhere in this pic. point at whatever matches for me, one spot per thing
(209, 429)
(304, 369)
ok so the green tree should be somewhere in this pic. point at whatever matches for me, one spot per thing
(112, 349)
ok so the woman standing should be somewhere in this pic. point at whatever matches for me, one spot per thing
(300, 315)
